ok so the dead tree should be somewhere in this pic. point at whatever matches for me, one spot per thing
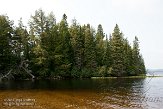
(6, 75)
(23, 65)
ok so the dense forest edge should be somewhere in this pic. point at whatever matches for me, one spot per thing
(47, 49)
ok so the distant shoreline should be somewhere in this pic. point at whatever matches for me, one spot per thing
(125, 77)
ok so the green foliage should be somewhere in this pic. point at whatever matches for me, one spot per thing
(86, 73)
(6, 31)
(117, 53)
(75, 73)
(77, 40)
(89, 49)
(51, 49)
(127, 57)
(107, 59)
(138, 61)
(102, 71)
(66, 48)
(99, 45)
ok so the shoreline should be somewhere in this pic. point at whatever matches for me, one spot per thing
(125, 77)
(86, 78)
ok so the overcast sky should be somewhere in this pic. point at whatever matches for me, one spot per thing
(142, 18)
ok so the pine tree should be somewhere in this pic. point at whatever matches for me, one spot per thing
(89, 51)
(66, 47)
(20, 49)
(41, 42)
(142, 65)
(99, 45)
(54, 51)
(50, 21)
(127, 57)
(138, 62)
(57, 50)
(38, 22)
(107, 59)
(117, 53)
(21, 38)
(135, 56)
(77, 39)
(6, 55)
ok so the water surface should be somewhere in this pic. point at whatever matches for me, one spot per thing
(110, 93)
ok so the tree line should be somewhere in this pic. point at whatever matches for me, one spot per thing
(49, 49)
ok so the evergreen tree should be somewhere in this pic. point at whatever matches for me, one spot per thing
(89, 51)
(6, 55)
(51, 43)
(135, 56)
(77, 39)
(99, 45)
(66, 47)
(138, 62)
(142, 65)
(127, 57)
(107, 59)
(38, 22)
(20, 49)
(48, 43)
(117, 53)
(21, 38)
(57, 50)
(41, 42)
(50, 21)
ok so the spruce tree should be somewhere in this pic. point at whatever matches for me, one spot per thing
(107, 59)
(117, 53)
(54, 50)
(142, 65)
(6, 55)
(138, 62)
(135, 56)
(99, 45)
(77, 40)
(66, 47)
(21, 38)
(89, 51)
(127, 57)
(38, 22)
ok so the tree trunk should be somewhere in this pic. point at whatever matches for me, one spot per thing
(6, 75)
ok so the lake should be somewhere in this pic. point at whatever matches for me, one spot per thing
(109, 93)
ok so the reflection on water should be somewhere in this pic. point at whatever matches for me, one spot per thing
(107, 93)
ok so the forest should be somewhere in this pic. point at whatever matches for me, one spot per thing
(48, 49)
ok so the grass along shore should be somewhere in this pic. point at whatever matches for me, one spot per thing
(142, 76)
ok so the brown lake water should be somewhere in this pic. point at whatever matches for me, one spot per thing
(110, 93)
